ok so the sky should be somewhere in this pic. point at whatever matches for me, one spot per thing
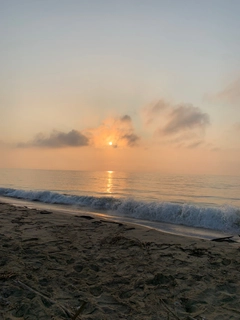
(131, 85)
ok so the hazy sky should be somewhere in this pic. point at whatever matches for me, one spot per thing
(120, 85)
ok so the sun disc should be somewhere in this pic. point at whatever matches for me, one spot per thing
(110, 143)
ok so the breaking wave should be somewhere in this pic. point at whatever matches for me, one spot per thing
(225, 218)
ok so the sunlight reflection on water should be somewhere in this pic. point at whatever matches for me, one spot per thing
(196, 189)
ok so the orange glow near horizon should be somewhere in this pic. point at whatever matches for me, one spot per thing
(164, 160)
(112, 132)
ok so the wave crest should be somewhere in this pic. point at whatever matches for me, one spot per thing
(226, 218)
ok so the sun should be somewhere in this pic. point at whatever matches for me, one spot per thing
(110, 143)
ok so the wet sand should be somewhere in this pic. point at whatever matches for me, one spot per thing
(52, 263)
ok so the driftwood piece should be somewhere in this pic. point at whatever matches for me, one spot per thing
(85, 217)
(168, 309)
(227, 239)
(24, 286)
(45, 212)
(114, 222)
(79, 310)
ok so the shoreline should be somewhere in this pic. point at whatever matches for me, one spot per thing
(52, 262)
(175, 229)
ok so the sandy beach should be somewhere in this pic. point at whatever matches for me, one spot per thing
(51, 264)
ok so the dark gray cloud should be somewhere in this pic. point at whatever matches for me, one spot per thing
(126, 118)
(153, 110)
(131, 139)
(58, 139)
(195, 144)
(185, 117)
(129, 136)
(180, 125)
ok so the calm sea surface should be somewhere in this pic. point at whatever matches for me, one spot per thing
(193, 200)
(195, 189)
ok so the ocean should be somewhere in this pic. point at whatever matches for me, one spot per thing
(184, 204)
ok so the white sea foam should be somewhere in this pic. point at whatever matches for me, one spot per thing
(225, 218)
